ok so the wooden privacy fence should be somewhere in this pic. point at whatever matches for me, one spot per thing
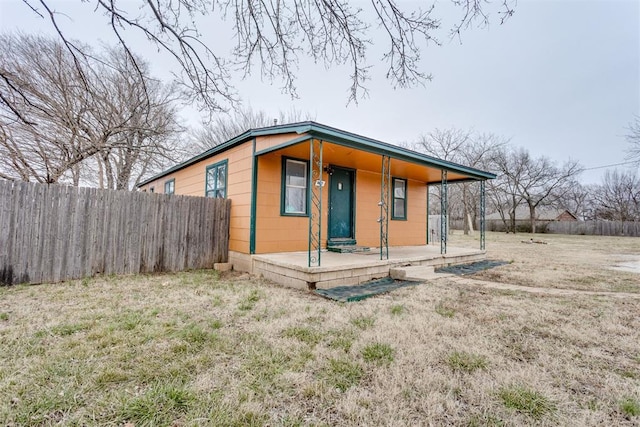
(592, 228)
(50, 233)
(595, 228)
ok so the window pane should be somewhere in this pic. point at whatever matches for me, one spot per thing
(211, 175)
(296, 173)
(295, 200)
(222, 176)
(398, 208)
(398, 188)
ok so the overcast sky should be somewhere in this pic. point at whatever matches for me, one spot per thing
(560, 78)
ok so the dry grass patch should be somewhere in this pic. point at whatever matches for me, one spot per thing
(202, 349)
(566, 262)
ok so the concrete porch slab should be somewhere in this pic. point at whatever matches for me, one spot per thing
(347, 269)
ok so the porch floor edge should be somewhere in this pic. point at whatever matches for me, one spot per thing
(348, 269)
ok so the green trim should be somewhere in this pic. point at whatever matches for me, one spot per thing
(393, 198)
(224, 162)
(283, 187)
(254, 196)
(169, 181)
(329, 134)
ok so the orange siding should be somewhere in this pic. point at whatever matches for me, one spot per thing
(277, 233)
(413, 231)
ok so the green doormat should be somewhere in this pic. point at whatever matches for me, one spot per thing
(365, 290)
(474, 267)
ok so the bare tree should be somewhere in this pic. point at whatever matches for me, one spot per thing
(271, 35)
(544, 183)
(467, 148)
(106, 114)
(226, 126)
(576, 200)
(633, 138)
(534, 181)
(509, 163)
(618, 197)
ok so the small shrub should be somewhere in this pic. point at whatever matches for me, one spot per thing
(4, 316)
(444, 310)
(466, 362)
(343, 374)
(379, 353)
(363, 322)
(630, 407)
(526, 401)
(397, 310)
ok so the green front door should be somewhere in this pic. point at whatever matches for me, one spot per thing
(341, 197)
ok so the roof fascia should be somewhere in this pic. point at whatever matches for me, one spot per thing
(378, 147)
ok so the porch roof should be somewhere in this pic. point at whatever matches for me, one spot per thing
(310, 129)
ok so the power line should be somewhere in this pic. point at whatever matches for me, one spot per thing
(610, 166)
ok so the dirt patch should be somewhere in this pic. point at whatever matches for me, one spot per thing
(588, 263)
(628, 263)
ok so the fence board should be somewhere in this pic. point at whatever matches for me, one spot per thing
(53, 233)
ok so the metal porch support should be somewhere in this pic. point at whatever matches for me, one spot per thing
(427, 212)
(315, 202)
(385, 190)
(443, 213)
(483, 209)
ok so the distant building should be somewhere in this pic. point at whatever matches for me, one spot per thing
(523, 220)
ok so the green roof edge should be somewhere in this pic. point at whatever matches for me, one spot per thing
(336, 135)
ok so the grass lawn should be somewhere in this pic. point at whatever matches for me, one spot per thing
(197, 348)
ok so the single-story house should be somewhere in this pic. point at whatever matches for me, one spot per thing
(306, 187)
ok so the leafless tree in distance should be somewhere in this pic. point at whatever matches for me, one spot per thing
(223, 127)
(467, 148)
(95, 112)
(633, 138)
(617, 198)
(534, 181)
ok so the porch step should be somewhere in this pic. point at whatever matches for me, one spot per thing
(418, 273)
(348, 248)
(341, 241)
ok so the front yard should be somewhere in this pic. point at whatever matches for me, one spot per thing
(197, 348)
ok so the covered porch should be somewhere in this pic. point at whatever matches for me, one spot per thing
(318, 188)
(345, 269)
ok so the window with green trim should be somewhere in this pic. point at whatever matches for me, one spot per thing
(170, 186)
(294, 187)
(399, 209)
(216, 183)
